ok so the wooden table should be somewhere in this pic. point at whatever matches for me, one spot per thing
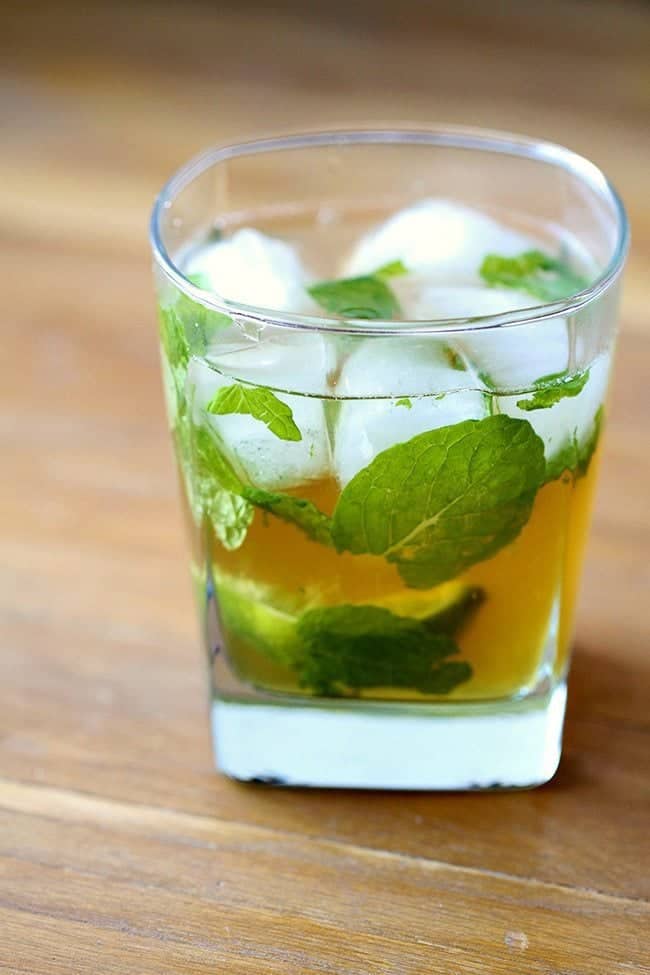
(120, 849)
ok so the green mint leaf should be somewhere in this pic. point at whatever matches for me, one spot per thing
(394, 269)
(564, 459)
(487, 381)
(231, 517)
(200, 324)
(260, 403)
(351, 648)
(211, 462)
(587, 450)
(404, 401)
(365, 297)
(576, 457)
(174, 362)
(297, 511)
(173, 338)
(200, 280)
(187, 328)
(182, 437)
(217, 490)
(443, 500)
(336, 649)
(534, 272)
(549, 390)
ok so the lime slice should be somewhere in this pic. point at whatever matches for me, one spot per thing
(250, 612)
(244, 609)
(444, 608)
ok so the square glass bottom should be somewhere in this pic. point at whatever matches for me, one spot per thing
(366, 745)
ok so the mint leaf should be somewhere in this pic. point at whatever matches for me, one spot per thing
(352, 647)
(364, 297)
(394, 269)
(534, 272)
(404, 401)
(230, 516)
(260, 403)
(564, 459)
(443, 500)
(200, 280)
(211, 462)
(339, 649)
(549, 390)
(187, 328)
(297, 511)
(587, 450)
(574, 456)
(216, 490)
(174, 360)
(487, 381)
(181, 435)
(200, 324)
(173, 338)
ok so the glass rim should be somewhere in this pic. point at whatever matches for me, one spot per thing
(452, 137)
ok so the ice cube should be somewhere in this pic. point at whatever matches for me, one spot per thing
(506, 357)
(434, 301)
(572, 417)
(283, 359)
(414, 388)
(443, 238)
(258, 454)
(514, 357)
(255, 269)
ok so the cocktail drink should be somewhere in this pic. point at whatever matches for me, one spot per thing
(386, 358)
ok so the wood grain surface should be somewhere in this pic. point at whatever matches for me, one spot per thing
(121, 850)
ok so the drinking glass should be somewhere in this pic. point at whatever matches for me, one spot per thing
(387, 518)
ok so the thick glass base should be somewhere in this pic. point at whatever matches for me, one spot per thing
(364, 745)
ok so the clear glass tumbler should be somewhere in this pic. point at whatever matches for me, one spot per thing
(388, 512)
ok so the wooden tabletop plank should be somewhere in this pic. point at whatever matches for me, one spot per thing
(319, 900)
(120, 848)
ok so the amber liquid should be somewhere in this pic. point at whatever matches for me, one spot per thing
(518, 636)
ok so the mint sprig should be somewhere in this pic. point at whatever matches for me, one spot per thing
(551, 389)
(538, 274)
(260, 403)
